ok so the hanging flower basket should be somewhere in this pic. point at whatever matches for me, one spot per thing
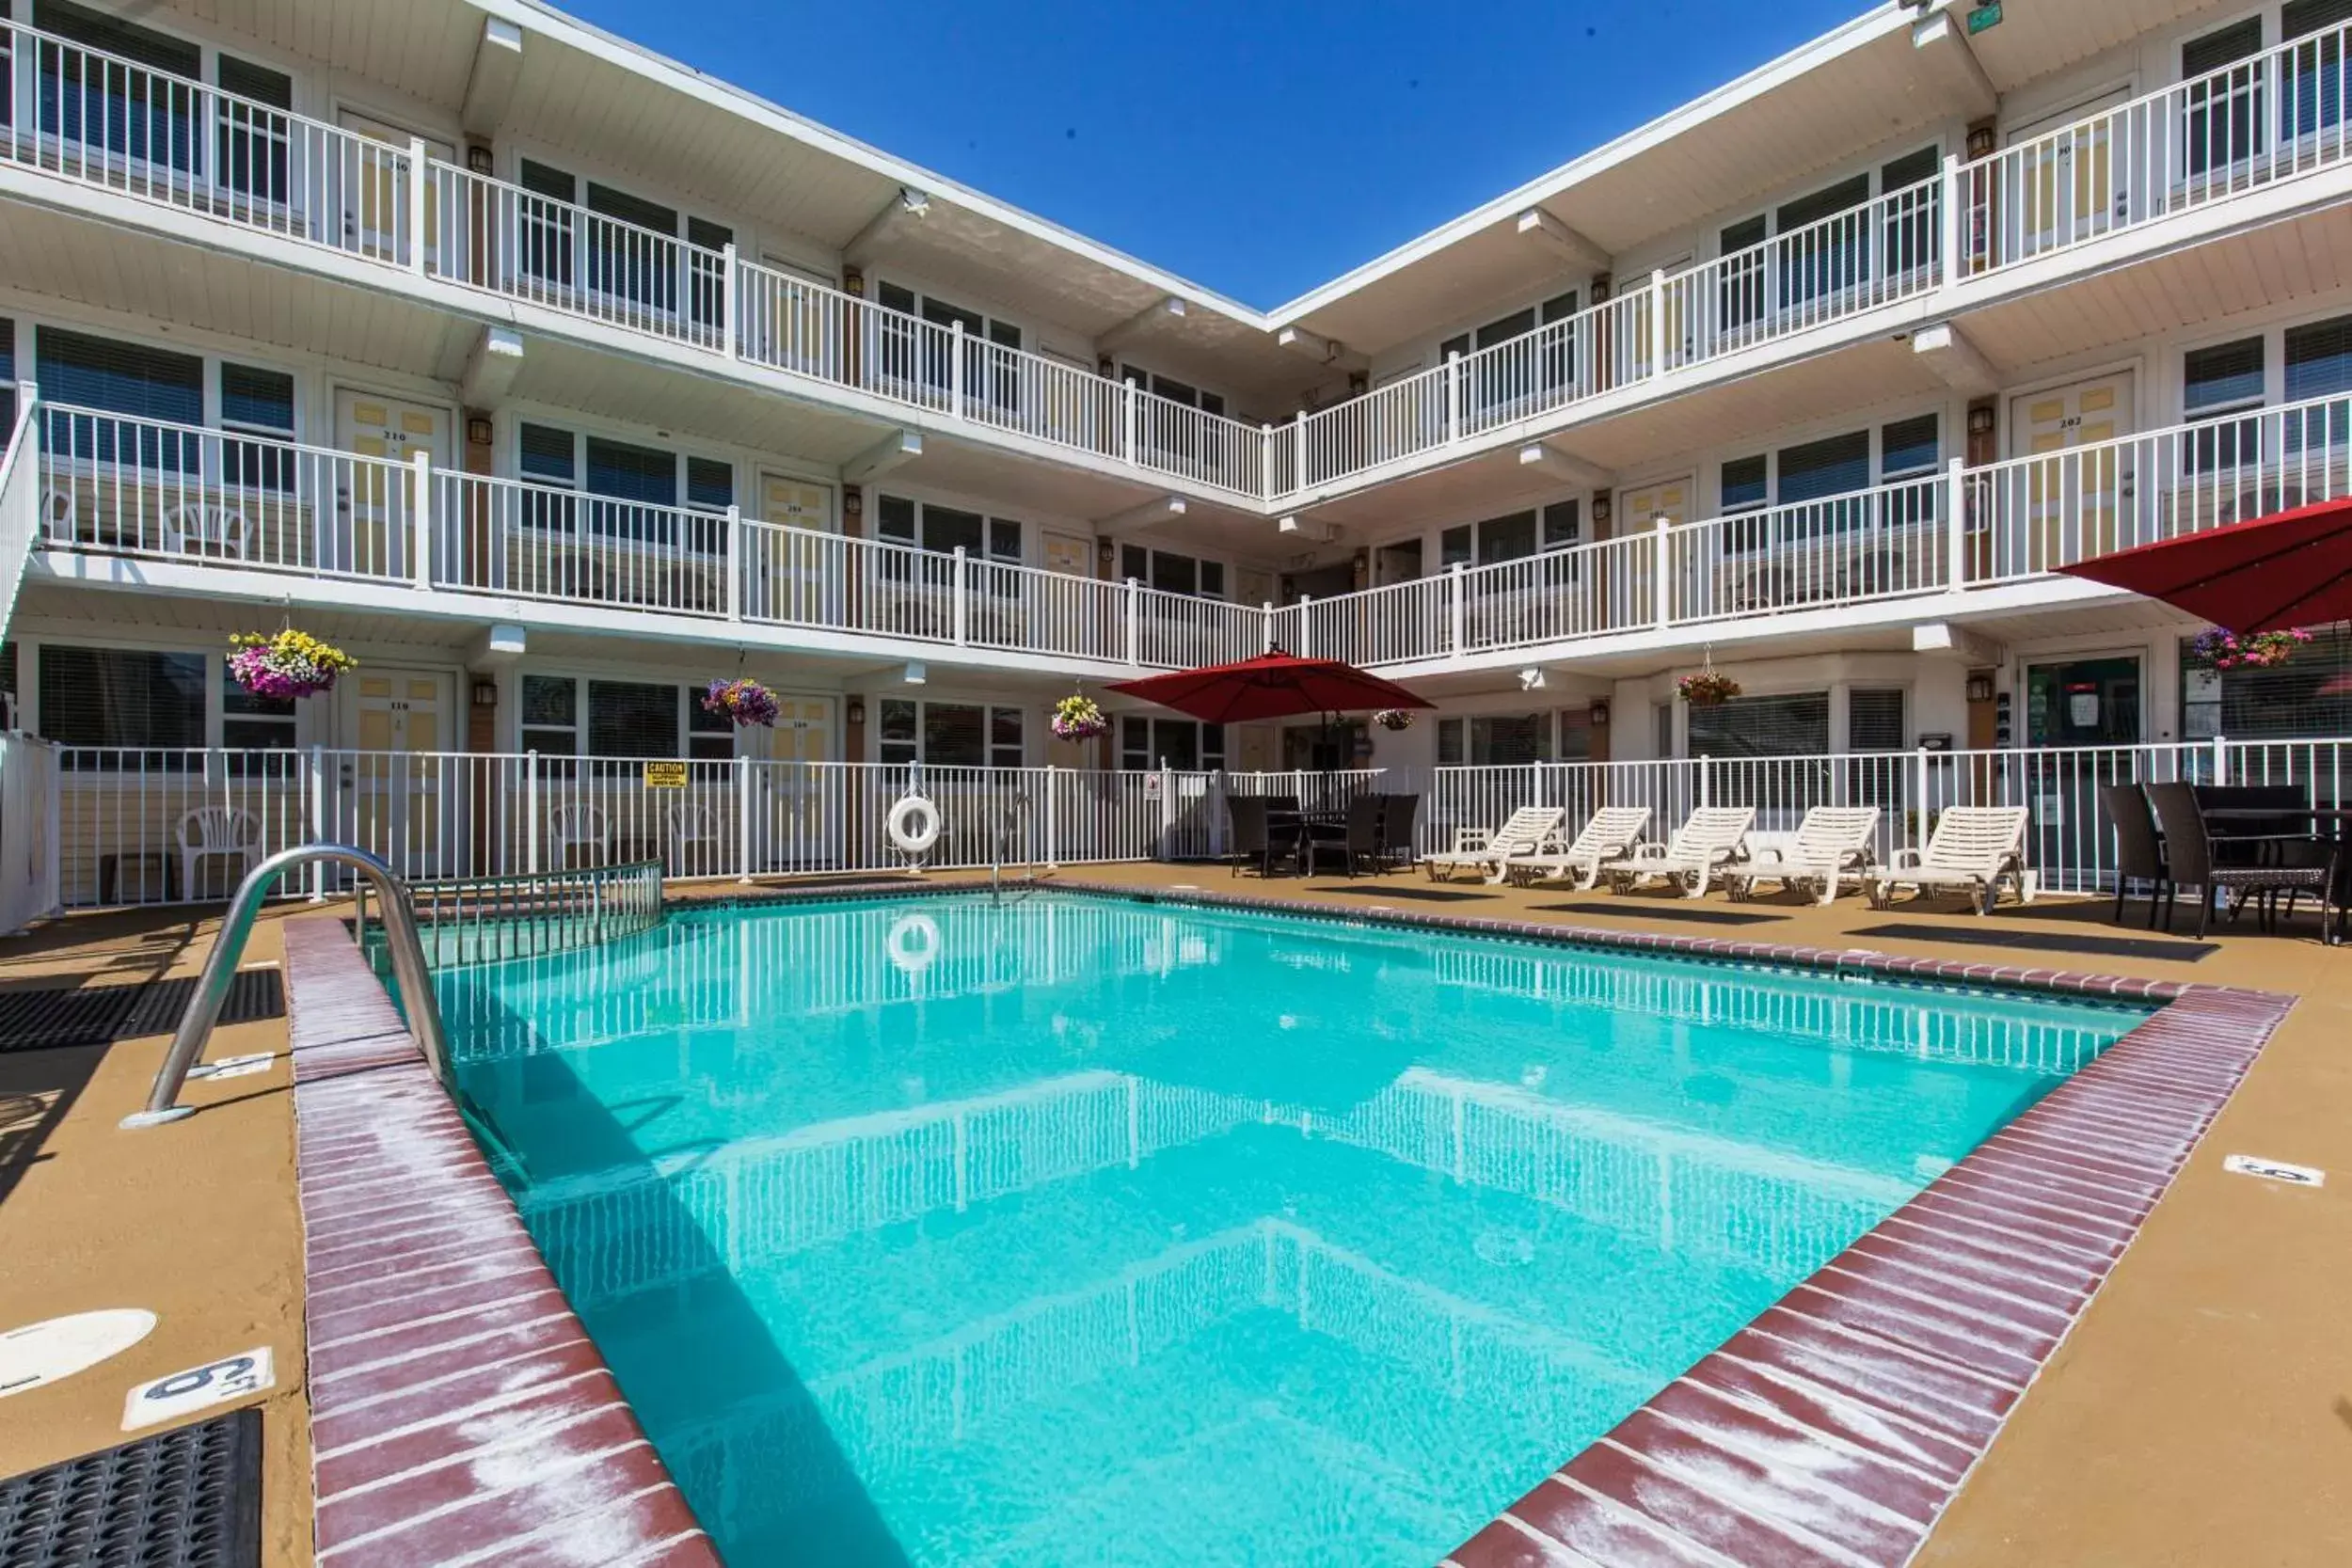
(1394, 718)
(1078, 717)
(290, 664)
(1707, 687)
(744, 700)
(2262, 650)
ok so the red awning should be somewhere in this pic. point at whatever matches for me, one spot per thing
(2267, 574)
(1272, 686)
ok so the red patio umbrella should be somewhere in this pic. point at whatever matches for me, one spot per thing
(2266, 574)
(1274, 685)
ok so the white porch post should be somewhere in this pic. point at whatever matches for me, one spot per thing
(1948, 228)
(730, 303)
(1168, 811)
(735, 562)
(531, 812)
(1135, 623)
(1956, 525)
(742, 819)
(1298, 431)
(1657, 322)
(1053, 817)
(1457, 614)
(955, 369)
(421, 516)
(1265, 461)
(1707, 783)
(963, 596)
(1454, 397)
(1662, 569)
(418, 156)
(2221, 760)
(1920, 783)
(315, 831)
(1306, 648)
(1127, 421)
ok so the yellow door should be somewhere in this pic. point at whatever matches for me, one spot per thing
(376, 196)
(804, 803)
(1642, 508)
(2065, 170)
(2072, 504)
(401, 779)
(794, 577)
(1622, 578)
(374, 501)
(1069, 555)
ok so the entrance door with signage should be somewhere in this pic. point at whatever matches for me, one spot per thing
(375, 505)
(398, 785)
(2082, 719)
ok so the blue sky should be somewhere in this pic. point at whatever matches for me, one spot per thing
(1259, 149)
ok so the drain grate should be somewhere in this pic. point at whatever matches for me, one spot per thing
(42, 1020)
(190, 1497)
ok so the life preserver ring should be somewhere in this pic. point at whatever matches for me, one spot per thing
(911, 944)
(912, 824)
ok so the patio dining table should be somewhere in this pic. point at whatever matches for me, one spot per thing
(2334, 819)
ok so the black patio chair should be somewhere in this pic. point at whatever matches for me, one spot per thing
(2138, 849)
(1398, 815)
(2188, 852)
(1252, 836)
(1355, 840)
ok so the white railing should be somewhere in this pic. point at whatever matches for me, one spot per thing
(2032, 514)
(102, 121)
(1867, 256)
(20, 504)
(147, 487)
(1874, 543)
(2179, 148)
(28, 831)
(485, 234)
(543, 542)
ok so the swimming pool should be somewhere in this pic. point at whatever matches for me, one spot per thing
(1079, 1229)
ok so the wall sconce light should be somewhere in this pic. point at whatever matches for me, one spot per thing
(1980, 689)
(853, 502)
(478, 159)
(486, 693)
(1105, 553)
(857, 710)
(1600, 508)
(916, 674)
(478, 430)
(1980, 422)
(1598, 715)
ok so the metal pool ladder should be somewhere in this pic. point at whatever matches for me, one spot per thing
(220, 968)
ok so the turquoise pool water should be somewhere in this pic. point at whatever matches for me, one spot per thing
(1079, 1230)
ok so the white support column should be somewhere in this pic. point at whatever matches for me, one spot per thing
(417, 157)
(955, 369)
(1707, 779)
(1956, 525)
(1053, 818)
(1920, 783)
(1457, 614)
(531, 812)
(735, 541)
(1949, 268)
(1127, 420)
(730, 304)
(742, 819)
(963, 596)
(2221, 760)
(421, 517)
(1306, 648)
(1661, 570)
(1265, 461)
(1657, 322)
(1298, 474)
(1454, 397)
(1168, 811)
(1135, 624)
(316, 828)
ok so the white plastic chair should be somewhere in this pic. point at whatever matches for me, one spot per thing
(1974, 848)
(695, 833)
(204, 527)
(217, 832)
(571, 828)
(1831, 847)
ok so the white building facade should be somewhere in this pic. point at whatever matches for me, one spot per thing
(553, 381)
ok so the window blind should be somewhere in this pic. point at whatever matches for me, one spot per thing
(626, 472)
(1794, 725)
(954, 735)
(545, 179)
(629, 718)
(632, 209)
(2298, 18)
(1909, 169)
(1821, 205)
(121, 697)
(1908, 447)
(1874, 721)
(1826, 467)
(118, 36)
(709, 483)
(256, 399)
(2227, 375)
(2319, 356)
(2224, 47)
(709, 235)
(120, 378)
(1746, 482)
(547, 453)
(257, 82)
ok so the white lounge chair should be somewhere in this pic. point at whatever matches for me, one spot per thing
(1832, 848)
(1976, 848)
(1526, 830)
(1698, 851)
(1608, 834)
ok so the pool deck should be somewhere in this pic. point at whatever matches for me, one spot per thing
(2200, 1411)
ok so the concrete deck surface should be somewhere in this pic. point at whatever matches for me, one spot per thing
(2201, 1413)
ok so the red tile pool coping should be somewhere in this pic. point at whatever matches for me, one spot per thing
(460, 1414)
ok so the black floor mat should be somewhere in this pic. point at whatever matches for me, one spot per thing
(1418, 895)
(2047, 941)
(41, 1020)
(190, 1497)
(1658, 908)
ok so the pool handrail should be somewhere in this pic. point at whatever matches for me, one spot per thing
(220, 968)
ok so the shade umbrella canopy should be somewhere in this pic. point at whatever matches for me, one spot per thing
(1272, 686)
(2267, 574)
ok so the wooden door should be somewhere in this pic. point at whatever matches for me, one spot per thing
(374, 504)
(2072, 505)
(400, 779)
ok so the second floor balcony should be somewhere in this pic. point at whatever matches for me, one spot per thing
(141, 501)
(2137, 173)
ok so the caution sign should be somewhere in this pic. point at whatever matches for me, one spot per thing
(665, 775)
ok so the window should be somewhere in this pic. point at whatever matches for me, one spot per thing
(124, 379)
(627, 719)
(1147, 744)
(84, 99)
(909, 354)
(1796, 725)
(1909, 169)
(1564, 524)
(1747, 482)
(2312, 87)
(2319, 365)
(2224, 96)
(1171, 573)
(251, 141)
(1909, 448)
(638, 485)
(253, 723)
(944, 530)
(949, 735)
(1494, 741)
(1874, 719)
(2224, 378)
(1834, 467)
(256, 403)
(550, 714)
(115, 36)
(1513, 536)
(2310, 695)
(709, 483)
(123, 697)
(1174, 391)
